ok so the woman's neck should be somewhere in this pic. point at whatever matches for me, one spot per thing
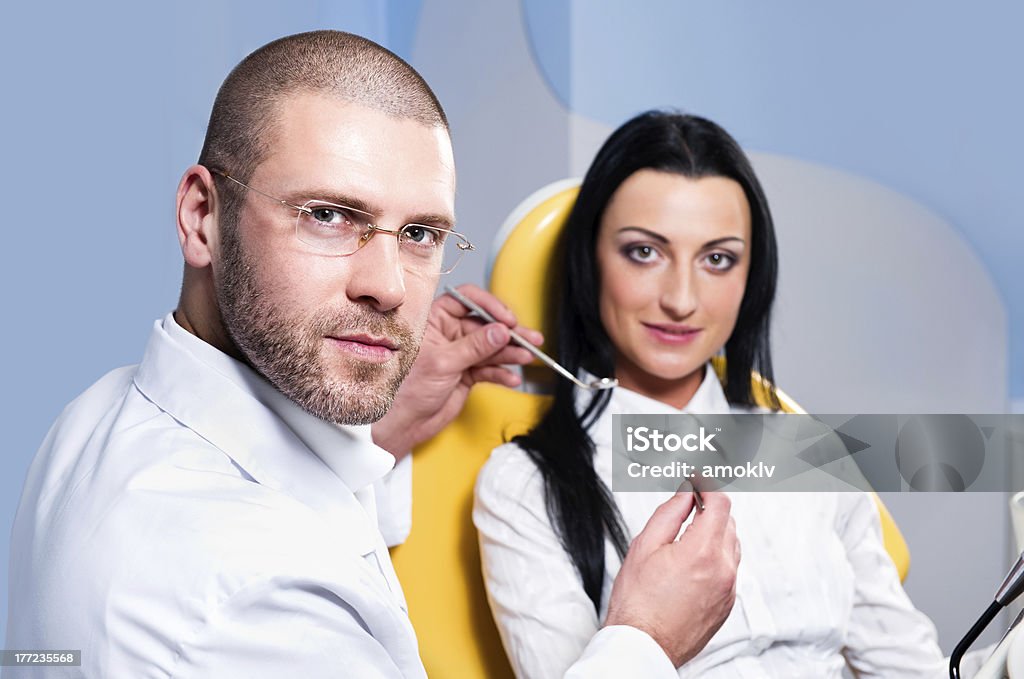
(674, 392)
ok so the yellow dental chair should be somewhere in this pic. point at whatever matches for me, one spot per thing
(439, 565)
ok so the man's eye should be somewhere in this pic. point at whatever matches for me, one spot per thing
(330, 216)
(422, 235)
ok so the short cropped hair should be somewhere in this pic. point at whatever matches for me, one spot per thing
(339, 64)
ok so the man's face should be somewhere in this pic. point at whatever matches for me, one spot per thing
(337, 335)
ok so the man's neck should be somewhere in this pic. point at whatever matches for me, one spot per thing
(198, 314)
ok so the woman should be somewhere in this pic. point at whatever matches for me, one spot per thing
(669, 259)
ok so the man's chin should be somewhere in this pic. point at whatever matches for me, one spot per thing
(349, 409)
(359, 399)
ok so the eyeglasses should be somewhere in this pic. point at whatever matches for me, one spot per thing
(339, 230)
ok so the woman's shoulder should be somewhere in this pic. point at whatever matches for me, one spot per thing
(510, 455)
(509, 468)
(509, 489)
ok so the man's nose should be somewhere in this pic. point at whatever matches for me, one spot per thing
(377, 277)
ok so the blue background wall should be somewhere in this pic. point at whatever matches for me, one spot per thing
(106, 104)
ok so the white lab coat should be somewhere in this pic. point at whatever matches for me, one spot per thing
(184, 519)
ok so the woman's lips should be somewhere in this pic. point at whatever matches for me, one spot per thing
(364, 347)
(670, 333)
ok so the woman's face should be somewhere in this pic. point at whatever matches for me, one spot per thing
(673, 255)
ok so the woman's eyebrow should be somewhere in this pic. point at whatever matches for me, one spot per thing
(656, 236)
(662, 239)
(726, 239)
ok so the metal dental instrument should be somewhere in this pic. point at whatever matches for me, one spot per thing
(1012, 587)
(596, 385)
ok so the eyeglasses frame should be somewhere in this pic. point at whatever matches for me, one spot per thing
(462, 243)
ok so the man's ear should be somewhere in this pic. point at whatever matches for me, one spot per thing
(197, 216)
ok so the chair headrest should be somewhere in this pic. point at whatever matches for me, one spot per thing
(520, 268)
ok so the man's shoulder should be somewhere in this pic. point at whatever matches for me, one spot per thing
(110, 433)
(160, 547)
(108, 389)
(98, 407)
(126, 503)
(115, 464)
(142, 507)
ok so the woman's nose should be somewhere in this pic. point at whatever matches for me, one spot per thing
(679, 293)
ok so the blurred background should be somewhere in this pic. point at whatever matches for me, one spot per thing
(887, 136)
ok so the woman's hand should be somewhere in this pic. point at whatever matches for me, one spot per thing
(679, 591)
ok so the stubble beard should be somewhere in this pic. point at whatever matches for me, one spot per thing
(289, 350)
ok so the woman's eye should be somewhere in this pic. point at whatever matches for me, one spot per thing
(720, 261)
(641, 253)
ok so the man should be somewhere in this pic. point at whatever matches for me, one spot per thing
(221, 509)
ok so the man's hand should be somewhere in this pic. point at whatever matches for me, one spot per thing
(457, 352)
(679, 591)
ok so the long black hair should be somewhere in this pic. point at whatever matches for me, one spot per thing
(579, 504)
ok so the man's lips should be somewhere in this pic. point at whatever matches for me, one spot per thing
(368, 340)
(366, 347)
(672, 333)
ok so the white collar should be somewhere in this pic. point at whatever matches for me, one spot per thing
(348, 451)
(709, 398)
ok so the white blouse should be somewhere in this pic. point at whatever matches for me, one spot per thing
(816, 589)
